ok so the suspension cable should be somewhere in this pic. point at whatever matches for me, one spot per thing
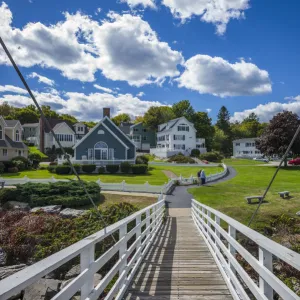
(52, 131)
(274, 175)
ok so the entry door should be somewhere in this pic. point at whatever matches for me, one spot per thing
(104, 154)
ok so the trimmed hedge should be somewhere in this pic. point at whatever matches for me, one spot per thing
(77, 167)
(142, 160)
(181, 159)
(2, 167)
(52, 168)
(125, 167)
(211, 156)
(112, 168)
(21, 158)
(13, 170)
(20, 165)
(101, 170)
(63, 170)
(67, 194)
(88, 168)
(139, 169)
(195, 153)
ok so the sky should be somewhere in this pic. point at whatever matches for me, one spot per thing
(81, 56)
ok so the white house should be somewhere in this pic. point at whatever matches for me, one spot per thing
(177, 136)
(245, 148)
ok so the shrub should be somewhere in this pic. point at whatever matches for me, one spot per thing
(142, 160)
(125, 167)
(20, 165)
(51, 168)
(53, 163)
(8, 195)
(77, 167)
(35, 158)
(181, 159)
(13, 170)
(211, 156)
(63, 170)
(65, 163)
(195, 153)
(112, 168)
(139, 169)
(2, 167)
(101, 170)
(22, 159)
(88, 168)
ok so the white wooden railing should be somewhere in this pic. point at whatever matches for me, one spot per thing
(147, 223)
(225, 256)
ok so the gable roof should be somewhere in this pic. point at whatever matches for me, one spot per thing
(9, 143)
(30, 125)
(54, 122)
(105, 125)
(173, 122)
(125, 127)
(11, 123)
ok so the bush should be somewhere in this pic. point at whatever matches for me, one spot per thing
(181, 159)
(36, 158)
(22, 159)
(112, 168)
(195, 153)
(20, 165)
(52, 169)
(211, 156)
(142, 160)
(13, 170)
(2, 167)
(88, 168)
(101, 170)
(125, 167)
(77, 167)
(139, 169)
(63, 170)
(53, 163)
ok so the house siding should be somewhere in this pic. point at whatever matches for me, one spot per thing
(138, 130)
(107, 137)
(11, 153)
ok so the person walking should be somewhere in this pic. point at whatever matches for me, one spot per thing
(203, 177)
(199, 177)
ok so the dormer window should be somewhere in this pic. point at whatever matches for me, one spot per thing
(17, 136)
(183, 127)
(1, 133)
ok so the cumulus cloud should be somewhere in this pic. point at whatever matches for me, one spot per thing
(216, 76)
(217, 12)
(266, 112)
(123, 47)
(208, 110)
(104, 89)
(84, 106)
(41, 78)
(140, 94)
(144, 3)
(12, 89)
(296, 98)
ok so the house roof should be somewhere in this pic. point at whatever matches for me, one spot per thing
(54, 122)
(31, 125)
(11, 123)
(172, 123)
(245, 140)
(9, 143)
(125, 127)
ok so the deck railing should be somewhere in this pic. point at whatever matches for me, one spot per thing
(147, 223)
(224, 247)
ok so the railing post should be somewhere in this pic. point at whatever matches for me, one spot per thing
(123, 248)
(232, 233)
(87, 257)
(139, 230)
(208, 222)
(266, 259)
(218, 222)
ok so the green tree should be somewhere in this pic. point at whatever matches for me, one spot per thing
(183, 108)
(90, 124)
(6, 109)
(223, 121)
(203, 125)
(118, 119)
(49, 113)
(158, 115)
(26, 115)
(278, 135)
(68, 118)
(222, 143)
(138, 119)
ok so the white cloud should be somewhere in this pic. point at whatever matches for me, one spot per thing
(144, 3)
(98, 11)
(217, 12)
(208, 110)
(295, 98)
(123, 47)
(216, 76)
(84, 106)
(12, 89)
(140, 94)
(42, 79)
(104, 89)
(266, 112)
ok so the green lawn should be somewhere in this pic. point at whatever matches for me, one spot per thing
(229, 196)
(241, 161)
(33, 149)
(155, 176)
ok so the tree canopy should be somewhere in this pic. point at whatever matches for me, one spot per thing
(118, 119)
(157, 115)
(183, 108)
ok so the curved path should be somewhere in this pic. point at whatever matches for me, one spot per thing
(180, 198)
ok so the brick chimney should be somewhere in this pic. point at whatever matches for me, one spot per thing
(106, 112)
(42, 136)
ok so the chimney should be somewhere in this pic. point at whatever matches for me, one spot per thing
(106, 112)
(42, 136)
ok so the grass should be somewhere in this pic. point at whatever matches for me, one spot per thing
(241, 161)
(33, 149)
(155, 176)
(229, 196)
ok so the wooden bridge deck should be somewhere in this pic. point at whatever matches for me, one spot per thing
(178, 266)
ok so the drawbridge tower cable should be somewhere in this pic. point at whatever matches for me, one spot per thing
(274, 175)
(81, 183)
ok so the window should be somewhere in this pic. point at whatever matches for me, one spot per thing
(135, 129)
(1, 133)
(136, 138)
(183, 127)
(237, 144)
(145, 130)
(179, 146)
(167, 137)
(20, 153)
(4, 152)
(17, 136)
(257, 152)
(161, 138)
(179, 137)
(144, 138)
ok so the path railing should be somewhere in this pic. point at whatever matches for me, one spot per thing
(230, 255)
(129, 248)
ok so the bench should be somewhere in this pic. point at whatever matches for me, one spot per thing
(250, 198)
(283, 194)
(2, 183)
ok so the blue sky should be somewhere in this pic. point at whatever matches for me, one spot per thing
(80, 56)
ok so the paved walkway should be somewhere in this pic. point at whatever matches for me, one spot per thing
(180, 197)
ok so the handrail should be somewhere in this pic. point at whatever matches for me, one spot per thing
(15, 283)
(213, 232)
